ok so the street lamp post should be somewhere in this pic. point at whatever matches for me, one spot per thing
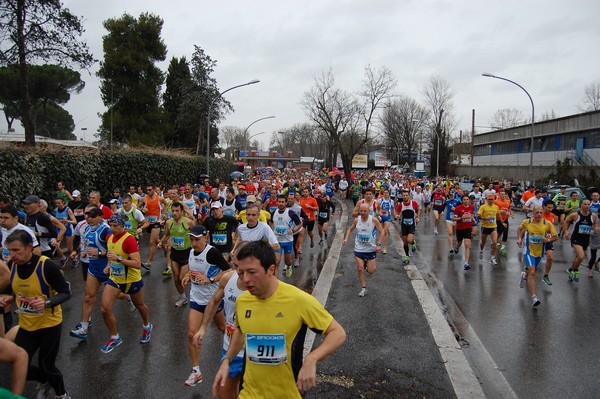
(208, 123)
(112, 107)
(489, 75)
(248, 127)
(437, 162)
(251, 137)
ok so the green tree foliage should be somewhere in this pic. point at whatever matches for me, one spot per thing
(39, 31)
(131, 83)
(49, 86)
(178, 83)
(53, 121)
(195, 102)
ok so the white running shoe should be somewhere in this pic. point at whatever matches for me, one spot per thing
(522, 280)
(362, 292)
(182, 301)
(493, 260)
(535, 301)
(193, 379)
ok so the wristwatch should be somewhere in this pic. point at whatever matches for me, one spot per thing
(119, 258)
(228, 358)
(212, 279)
(48, 303)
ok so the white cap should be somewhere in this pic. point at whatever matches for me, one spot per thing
(75, 193)
(216, 204)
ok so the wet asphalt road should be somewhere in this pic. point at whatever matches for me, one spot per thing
(549, 351)
(156, 370)
(546, 352)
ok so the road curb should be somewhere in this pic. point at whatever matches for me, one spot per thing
(323, 285)
(459, 370)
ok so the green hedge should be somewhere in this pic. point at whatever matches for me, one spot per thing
(37, 171)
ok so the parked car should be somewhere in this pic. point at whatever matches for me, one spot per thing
(556, 189)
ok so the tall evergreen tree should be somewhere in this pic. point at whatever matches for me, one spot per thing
(197, 99)
(49, 87)
(178, 83)
(39, 31)
(131, 82)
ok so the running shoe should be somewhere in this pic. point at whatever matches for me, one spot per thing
(413, 246)
(535, 301)
(111, 344)
(79, 332)
(504, 252)
(522, 280)
(571, 274)
(44, 391)
(288, 271)
(131, 305)
(63, 261)
(296, 262)
(193, 379)
(493, 260)
(435, 231)
(146, 334)
(451, 250)
(455, 250)
(181, 302)
(362, 292)
(590, 273)
(147, 265)
(325, 235)
(321, 242)
(63, 396)
(406, 259)
(546, 280)
(299, 251)
(576, 276)
(385, 250)
(75, 264)
(167, 272)
(467, 266)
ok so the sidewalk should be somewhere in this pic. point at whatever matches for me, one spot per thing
(390, 351)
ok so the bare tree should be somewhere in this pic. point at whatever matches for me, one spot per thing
(506, 117)
(591, 98)
(303, 139)
(438, 95)
(402, 123)
(547, 115)
(232, 137)
(346, 118)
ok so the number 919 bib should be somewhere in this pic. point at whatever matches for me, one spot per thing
(268, 349)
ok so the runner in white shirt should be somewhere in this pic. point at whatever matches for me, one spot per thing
(9, 220)
(255, 230)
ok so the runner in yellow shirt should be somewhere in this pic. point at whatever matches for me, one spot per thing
(271, 315)
(489, 214)
(538, 232)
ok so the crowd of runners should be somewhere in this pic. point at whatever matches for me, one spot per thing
(222, 239)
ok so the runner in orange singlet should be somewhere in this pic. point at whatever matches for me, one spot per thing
(151, 206)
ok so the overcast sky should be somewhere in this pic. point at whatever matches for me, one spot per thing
(548, 46)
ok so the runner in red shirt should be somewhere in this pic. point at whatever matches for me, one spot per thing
(463, 216)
